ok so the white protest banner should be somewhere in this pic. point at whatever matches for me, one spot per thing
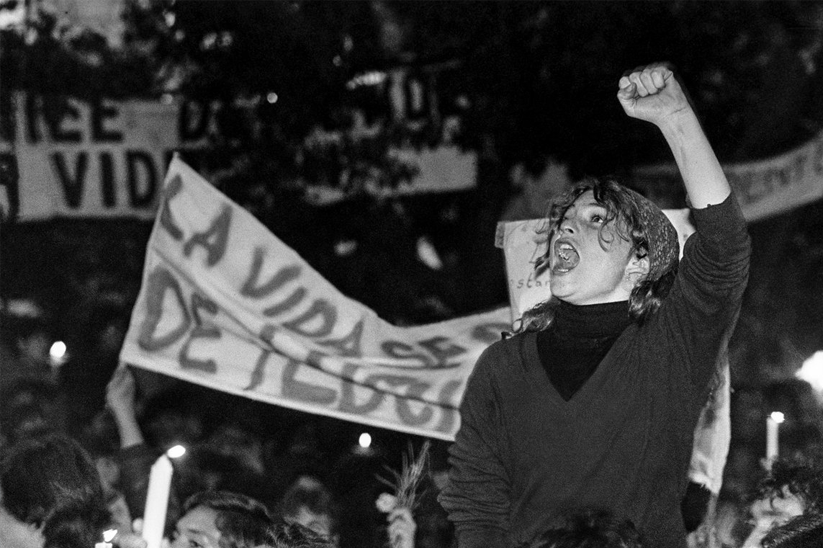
(524, 244)
(225, 304)
(764, 188)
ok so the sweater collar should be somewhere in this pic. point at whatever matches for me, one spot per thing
(590, 321)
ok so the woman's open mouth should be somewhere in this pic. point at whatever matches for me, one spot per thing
(566, 257)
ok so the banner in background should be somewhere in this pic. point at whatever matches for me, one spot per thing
(764, 188)
(64, 157)
(60, 156)
(70, 158)
(442, 169)
(225, 304)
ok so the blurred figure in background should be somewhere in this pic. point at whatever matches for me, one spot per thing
(25, 341)
(215, 519)
(309, 503)
(29, 407)
(227, 460)
(93, 356)
(50, 496)
(294, 535)
(221, 519)
(791, 488)
(591, 529)
(804, 531)
(101, 441)
(236, 452)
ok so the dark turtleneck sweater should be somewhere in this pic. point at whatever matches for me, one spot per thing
(577, 340)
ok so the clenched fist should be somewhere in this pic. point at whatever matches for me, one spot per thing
(652, 93)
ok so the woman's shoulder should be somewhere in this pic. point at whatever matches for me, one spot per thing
(511, 341)
(507, 352)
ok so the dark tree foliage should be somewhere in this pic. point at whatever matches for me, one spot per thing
(538, 76)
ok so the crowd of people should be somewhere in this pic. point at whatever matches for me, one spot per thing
(64, 491)
(60, 492)
(576, 429)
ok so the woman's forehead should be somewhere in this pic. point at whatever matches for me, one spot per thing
(586, 199)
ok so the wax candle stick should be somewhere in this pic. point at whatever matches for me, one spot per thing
(157, 502)
(772, 436)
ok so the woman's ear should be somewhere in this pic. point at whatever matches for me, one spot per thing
(636, 270)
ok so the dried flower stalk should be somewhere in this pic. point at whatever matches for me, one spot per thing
(406, 483)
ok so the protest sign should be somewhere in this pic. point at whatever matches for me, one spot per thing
(72, 158)
(225, 304)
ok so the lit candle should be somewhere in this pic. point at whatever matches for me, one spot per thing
(108, 536)
(772, 426)
(157, 498)
(157, 502)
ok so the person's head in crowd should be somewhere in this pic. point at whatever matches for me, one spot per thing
(169, 418)
(232, 439)
(790, 489)
(294, 535)
(591, 528)
(29, 407)
(730, 527)
(204, 469)
(804, 531)
(221, 519)
(109, 323)
(629, 251)
(33, 340)
(50, 495)
(101, 439)
(309, 503)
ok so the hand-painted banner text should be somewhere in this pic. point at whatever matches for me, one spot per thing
(225, 304)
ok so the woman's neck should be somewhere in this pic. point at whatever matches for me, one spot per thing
(591, 321)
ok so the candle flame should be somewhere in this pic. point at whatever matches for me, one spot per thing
(109, 535)
(777, 417)
(176, 452)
